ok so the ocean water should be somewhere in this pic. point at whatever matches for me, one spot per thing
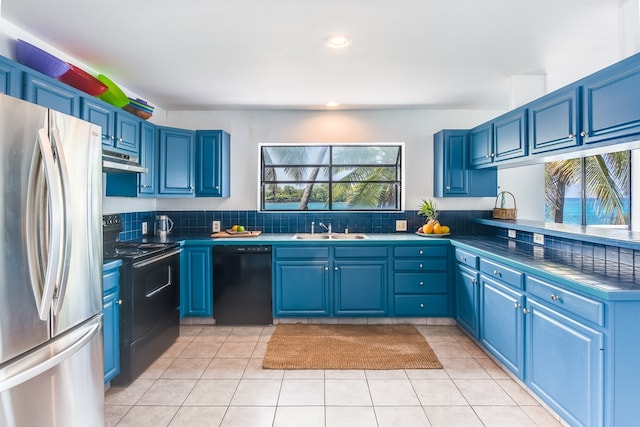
(572, 210)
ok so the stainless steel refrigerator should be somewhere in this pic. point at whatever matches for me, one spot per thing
(51, 360)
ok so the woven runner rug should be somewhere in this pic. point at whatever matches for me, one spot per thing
(349, 347)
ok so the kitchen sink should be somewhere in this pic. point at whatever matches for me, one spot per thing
(334, 236)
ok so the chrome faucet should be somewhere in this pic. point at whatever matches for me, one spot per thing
(328, 228)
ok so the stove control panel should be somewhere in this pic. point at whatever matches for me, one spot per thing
(111, 220)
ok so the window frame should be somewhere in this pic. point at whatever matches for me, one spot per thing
(329, 182)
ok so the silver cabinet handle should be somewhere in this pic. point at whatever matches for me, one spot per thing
(421, 305)
(326, 269)
(421, 283)
(447, 188)
(119, 302)
(554, 297)
(420, 266)
(516, 305)
(525, 311)
(462, 258)
(497, 273)
(583, 134)
(421, 251)
(335, 268)
(571, 136)
(473, 281)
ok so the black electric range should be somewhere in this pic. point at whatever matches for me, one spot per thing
(149, 295)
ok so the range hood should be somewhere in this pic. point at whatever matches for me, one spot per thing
(114, 162)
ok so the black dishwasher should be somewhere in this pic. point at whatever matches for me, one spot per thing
(242, 285)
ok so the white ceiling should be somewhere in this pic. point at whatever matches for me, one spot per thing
(212, 54)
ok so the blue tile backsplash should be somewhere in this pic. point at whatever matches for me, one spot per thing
(602, 256)
(199, 222)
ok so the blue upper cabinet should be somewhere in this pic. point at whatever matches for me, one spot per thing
(120, 130)
(147, 181)
(212, 163)
(452, 176)
(100, 114)
(42, 90)
(481, 144)
(510, 136)
(10, 78)
(176, 171)
(553, 121)
(611, 103)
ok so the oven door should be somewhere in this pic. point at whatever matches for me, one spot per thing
(156, 291)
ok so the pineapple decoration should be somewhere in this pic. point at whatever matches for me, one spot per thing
(432, 225)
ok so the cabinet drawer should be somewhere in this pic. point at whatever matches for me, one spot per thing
(502, 272)
(586, 308)
(420, 283)
(420, 264)
(420, 251)
(467, 258)
(302, 252)
(421, 305)
(360, 251)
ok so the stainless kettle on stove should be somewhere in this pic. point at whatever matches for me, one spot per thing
(163, 226)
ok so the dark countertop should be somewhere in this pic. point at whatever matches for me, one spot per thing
(608, 280)
(593, 276)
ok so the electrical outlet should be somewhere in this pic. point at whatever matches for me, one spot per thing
(145, 230)
(511, 234)
(538, 238)
(215, 226)
(401, 225)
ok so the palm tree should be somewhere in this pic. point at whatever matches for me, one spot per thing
(606, 178)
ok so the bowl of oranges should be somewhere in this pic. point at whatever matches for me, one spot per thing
(432, 228)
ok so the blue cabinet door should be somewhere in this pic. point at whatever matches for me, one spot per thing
(553, 121)
(127, 133)
(449, 163)
(510, 135)
(360, 288)
(468, 299)
(481, 145)
(102, 115)
(565, 365)
(176, 162)
(51, 94)
(301, 288)
(197, 282)
(611, 103)
(213, 163)
(10, 78)
(111, 320)
(147, 181)
(501, 326)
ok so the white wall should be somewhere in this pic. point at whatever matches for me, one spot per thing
(247, 128)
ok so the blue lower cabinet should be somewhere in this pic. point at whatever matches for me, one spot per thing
(501, 323)
(301, 288)
(468, 299)
(566, 365)
(196, 296)
(111, 318)
(360, 288)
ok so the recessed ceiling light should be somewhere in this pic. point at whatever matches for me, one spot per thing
(331, 104)
(337, 42)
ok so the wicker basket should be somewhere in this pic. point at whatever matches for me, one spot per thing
(505, 213)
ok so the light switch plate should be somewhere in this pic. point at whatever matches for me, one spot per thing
(215, 226)
(145, 230)
(511, 234)
(538, 238)
(401, 225)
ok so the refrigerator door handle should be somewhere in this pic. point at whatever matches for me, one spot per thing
(66, 222)
(42, 360)
(45, 275)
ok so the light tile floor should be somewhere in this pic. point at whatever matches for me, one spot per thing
(213, 376)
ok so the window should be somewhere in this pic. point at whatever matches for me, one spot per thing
(593, 190)
(336, 177)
